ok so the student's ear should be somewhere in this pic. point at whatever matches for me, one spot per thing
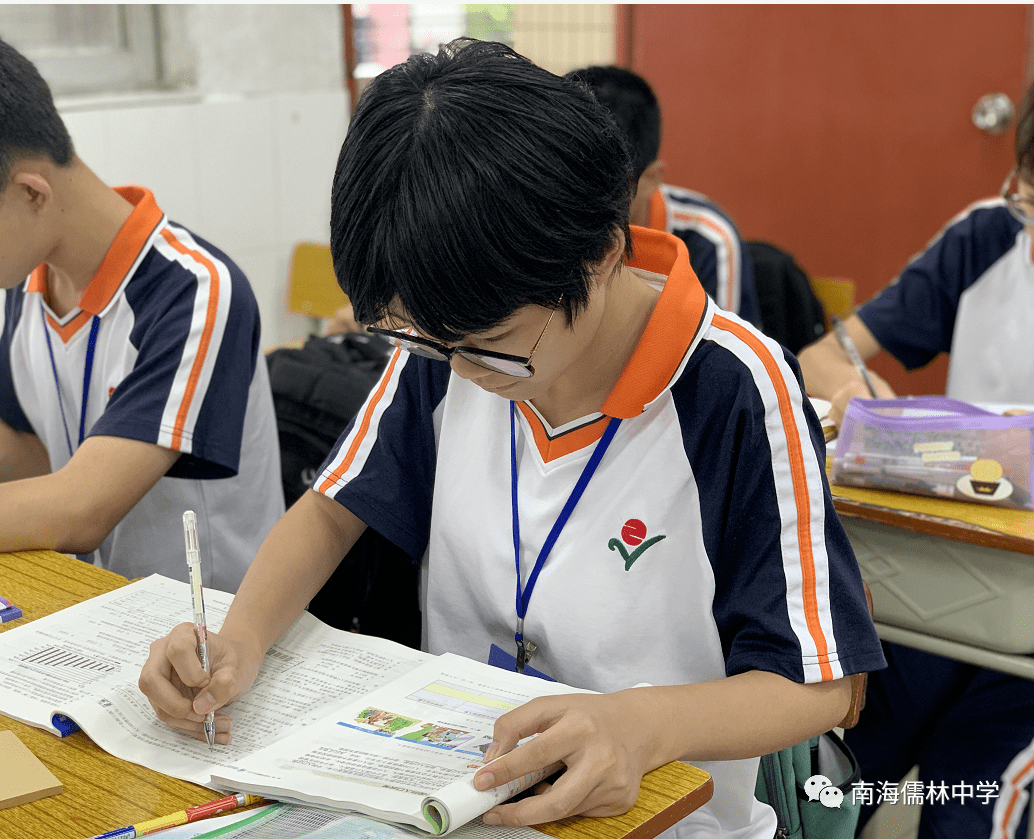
(33, 189)
(615, 253)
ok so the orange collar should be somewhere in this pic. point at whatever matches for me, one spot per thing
(122, 255)
(658, 211)
(675, 321)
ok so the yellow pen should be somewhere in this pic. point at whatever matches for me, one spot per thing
(191, 814)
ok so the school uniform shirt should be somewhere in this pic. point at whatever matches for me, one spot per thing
(970, 293)
(168, 334)
(716, 253)
(704, 545)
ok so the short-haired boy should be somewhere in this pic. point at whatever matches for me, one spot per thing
(129, 388)
(480, 216)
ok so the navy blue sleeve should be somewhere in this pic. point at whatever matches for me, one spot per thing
(10, 409)
(383, 466)
(745, 535)
(914, 317)
(197, 340)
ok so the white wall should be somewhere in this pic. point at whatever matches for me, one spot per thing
(245, 155)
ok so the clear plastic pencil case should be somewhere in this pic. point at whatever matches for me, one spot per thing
(931, 445)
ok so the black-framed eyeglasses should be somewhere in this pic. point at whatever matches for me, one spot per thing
(1017, 203)
(509, 365)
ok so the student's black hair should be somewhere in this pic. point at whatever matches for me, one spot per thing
(29, 123)
(1025, 137)
(472, 183)
(633, 105)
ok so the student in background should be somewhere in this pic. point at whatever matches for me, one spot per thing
(543, 357)
(970, 293)
(716, 253)
(129, 388)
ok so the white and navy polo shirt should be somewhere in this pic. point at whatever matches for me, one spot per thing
(705, 545)
(175, 329)
(970, 293)
(716, 253)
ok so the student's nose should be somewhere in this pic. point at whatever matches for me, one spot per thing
(466, 369)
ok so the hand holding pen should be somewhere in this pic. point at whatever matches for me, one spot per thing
(198, 602)
(852, 353)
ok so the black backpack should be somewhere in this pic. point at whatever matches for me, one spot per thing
(317, 389)
(788, 308)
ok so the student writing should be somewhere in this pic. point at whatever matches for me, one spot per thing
(480, 215)
(971, 293)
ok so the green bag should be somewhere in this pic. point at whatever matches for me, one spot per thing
(800, 808)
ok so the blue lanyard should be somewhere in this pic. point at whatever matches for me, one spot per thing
(524, 595)
(88, 372)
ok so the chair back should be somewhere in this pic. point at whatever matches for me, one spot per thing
(312, 287)
(837, 295)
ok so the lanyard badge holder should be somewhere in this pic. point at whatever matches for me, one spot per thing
(525, 648)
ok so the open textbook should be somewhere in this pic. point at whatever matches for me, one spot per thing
(294, 821)
(334, 719)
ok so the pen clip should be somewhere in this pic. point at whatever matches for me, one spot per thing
(190, 535)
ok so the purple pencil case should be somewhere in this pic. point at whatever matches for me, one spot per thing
(932, 445)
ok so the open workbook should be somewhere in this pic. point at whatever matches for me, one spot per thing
(334, 719)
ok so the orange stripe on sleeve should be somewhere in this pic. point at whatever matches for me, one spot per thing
(1008, 813)
(206, 334)
(729, 259)
(364, 427)
(1016, 782)
(800, 488)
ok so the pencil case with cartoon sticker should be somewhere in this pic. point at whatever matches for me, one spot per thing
(932, 445)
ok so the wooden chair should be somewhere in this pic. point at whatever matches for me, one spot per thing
(312, 287)
(837, 295)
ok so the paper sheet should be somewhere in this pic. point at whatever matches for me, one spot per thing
(85, 662)
(392, 749)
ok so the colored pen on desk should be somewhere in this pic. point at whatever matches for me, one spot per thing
(191, 814)
(198, 601)
(852, 352)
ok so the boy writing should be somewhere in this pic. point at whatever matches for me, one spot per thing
(971, 293)
(609, 481)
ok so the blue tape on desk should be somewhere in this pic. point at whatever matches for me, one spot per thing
(63, 724)
(8, 611)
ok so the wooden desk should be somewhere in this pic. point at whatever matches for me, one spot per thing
(103, 792)
(947, 577)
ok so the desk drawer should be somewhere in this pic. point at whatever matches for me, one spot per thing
(934, 585)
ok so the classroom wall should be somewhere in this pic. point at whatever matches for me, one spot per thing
(841, 133)
(243, 152)
(563, 37)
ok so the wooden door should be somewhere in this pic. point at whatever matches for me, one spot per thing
(840, 133)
